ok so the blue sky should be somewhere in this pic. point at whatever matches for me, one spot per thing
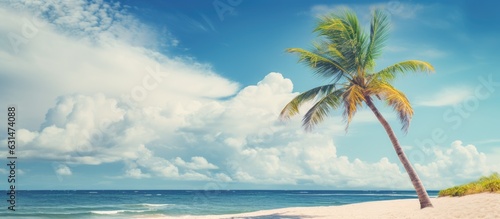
(185, 95)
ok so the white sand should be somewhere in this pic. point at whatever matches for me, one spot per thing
(468, 207)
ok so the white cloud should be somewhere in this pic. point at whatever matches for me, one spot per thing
(197, 163)
(453, 165)
(63, 170)
(447, 97)
(136, 173)
(57, 62)
(96, 20)
(216, 137)
(222, 177)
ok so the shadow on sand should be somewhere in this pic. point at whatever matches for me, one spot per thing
(273, 216)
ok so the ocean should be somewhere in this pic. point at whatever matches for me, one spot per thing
(100, 204)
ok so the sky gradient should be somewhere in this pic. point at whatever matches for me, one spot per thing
(186, 95)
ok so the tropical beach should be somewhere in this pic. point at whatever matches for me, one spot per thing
(258, 109)
(483, 205)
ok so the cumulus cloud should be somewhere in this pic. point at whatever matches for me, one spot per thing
(136, 173)
(197, 163)
(63, 170)
(457, 163)
(50, 61)
(235, 140)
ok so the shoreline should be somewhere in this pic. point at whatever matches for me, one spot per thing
(483, 205)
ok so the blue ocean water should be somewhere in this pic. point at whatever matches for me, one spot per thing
(99, 204)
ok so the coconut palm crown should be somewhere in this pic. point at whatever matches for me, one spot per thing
(346, 54)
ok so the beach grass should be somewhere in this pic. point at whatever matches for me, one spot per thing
(484, 184)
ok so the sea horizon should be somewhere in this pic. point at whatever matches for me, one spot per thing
(95, 204)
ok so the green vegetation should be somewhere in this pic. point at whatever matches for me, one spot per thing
(484, 184)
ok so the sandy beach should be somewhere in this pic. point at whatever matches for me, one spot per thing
(468, 207)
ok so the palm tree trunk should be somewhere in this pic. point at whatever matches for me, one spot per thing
(423, 197)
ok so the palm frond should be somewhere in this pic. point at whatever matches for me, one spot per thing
(329, 50)
(353, 97)
(391, 72)
(320, 110)
(292, 108)
(322, 65)
(394, 98)
(333, 51)
(358, 39)
(342, 31)
(379, 29)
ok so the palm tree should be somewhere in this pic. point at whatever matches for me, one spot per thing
(346, 54)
